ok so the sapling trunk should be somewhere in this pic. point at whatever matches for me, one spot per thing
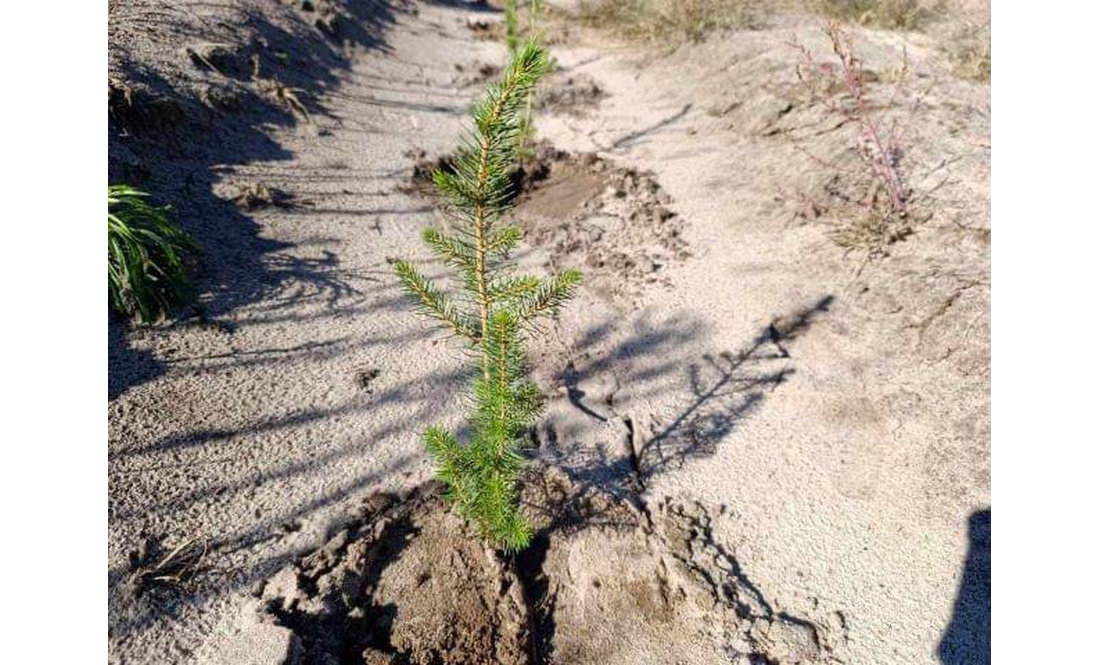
(494, 311)
(511, 26)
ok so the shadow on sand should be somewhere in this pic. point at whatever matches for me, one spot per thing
(722, 389)
(176, 134)
(967, 638)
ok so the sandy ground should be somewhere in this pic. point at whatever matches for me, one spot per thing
(833, 416)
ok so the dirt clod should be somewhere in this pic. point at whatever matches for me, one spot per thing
(256, 195)
(580, 210)
(365, 376)
(484, 29)
(573, 95)
(257, 644)
(407, 582)
(218, 57)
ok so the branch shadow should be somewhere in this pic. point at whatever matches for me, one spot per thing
(256, 548)
(166, 451)
(641, 136)
(724, 389)
(570, 488)
(131, 613)
(127, 366)
(629, 447)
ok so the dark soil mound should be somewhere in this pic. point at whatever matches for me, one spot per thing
(573, 94)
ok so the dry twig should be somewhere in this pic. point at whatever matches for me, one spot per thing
(152, 567)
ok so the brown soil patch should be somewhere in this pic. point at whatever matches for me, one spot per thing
(605, 580)
(583, 211)
(565, 190)
(613, 223)
(573, 94)
(404, 583)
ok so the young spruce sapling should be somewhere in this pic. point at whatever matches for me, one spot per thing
(494, 312)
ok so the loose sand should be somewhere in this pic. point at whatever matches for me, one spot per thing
(725, 364)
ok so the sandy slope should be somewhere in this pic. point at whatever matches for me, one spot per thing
(840, 415)
(853, 454)
(262, 425)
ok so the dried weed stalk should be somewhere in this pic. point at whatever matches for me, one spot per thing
(882, 215)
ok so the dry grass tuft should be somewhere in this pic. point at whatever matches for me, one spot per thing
(889, 14)
(869, 228)
(971, 55)
(274, 89)
(669, 22)
(155, 566)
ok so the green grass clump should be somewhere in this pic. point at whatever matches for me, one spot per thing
(493, 312)
(668, 22)
(146, 256)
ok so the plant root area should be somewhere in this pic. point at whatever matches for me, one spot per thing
(606, 579)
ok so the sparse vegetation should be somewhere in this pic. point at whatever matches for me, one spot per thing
(153, 566)
(668, 22)
(146, 256)
(972, 55)
(890, 14)
(882, 215)
(494, 311)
